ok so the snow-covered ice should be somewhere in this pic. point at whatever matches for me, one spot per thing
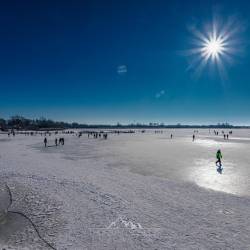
(132, 191)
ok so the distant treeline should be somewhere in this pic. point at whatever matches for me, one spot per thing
(22, 123)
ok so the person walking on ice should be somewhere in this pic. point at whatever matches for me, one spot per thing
(45, 142)
(218, 157)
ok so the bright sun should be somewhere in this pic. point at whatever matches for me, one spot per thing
(215, 45)
(213, 48)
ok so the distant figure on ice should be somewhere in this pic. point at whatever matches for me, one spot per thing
(218, 157)
(56, 142)
(45, 142)
(193, 137)
(61, 141)
(171, 136)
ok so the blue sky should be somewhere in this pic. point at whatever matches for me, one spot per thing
(117, 61)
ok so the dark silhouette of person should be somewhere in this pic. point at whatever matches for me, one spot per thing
(56, 142)
(45, 142)
(193, 137)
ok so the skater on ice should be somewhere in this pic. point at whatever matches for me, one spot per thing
(218, 157)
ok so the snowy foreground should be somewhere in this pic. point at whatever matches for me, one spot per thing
(131, 191)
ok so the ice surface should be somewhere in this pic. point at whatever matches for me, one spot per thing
(4, 202)
(132, 191)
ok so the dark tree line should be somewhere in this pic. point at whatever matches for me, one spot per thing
(22, 123)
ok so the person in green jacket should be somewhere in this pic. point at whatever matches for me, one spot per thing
(218, 157)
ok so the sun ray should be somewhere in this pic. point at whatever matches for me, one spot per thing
(218, 45)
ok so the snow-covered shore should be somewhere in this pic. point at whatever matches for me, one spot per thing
(97, 194)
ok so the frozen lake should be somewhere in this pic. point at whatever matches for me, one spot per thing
(181, 159)
(131, 191)
(155, 154)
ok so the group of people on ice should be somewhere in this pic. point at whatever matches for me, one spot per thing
(57, 142)
(98, 135)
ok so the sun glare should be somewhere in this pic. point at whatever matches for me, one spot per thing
(213, 48)
(216, 45)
